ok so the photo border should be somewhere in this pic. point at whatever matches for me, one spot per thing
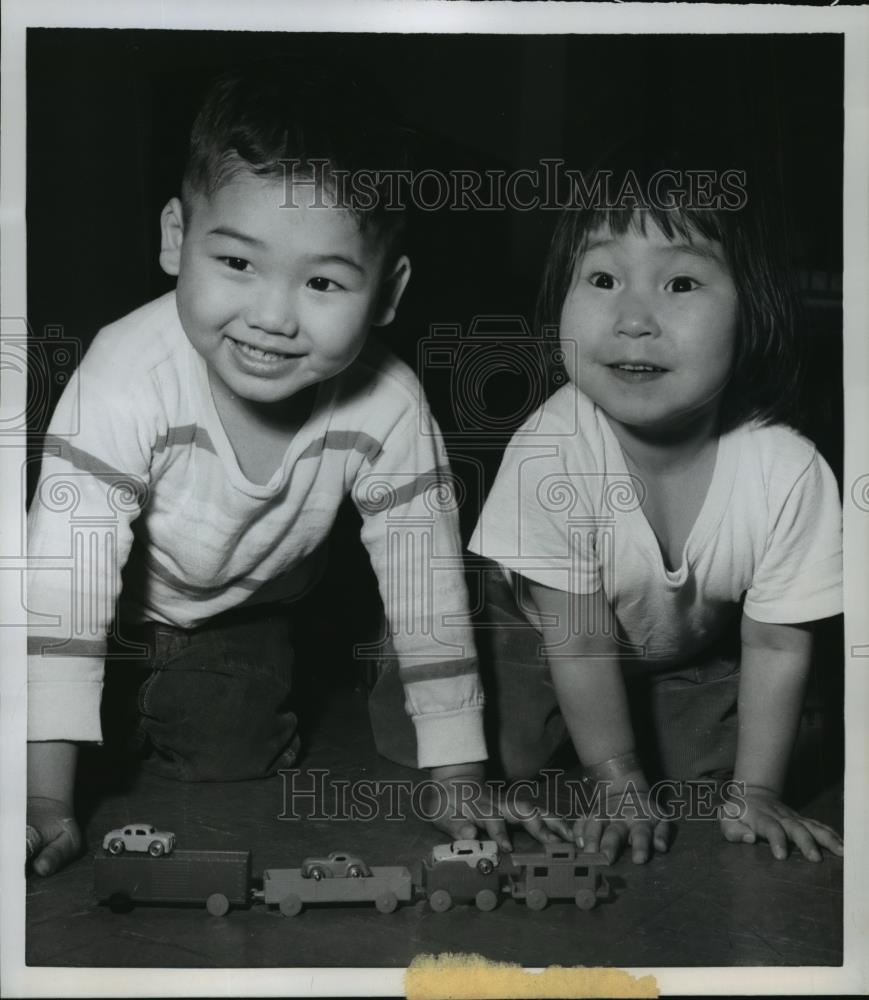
(445, 17)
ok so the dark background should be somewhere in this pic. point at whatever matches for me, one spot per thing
(108, 113)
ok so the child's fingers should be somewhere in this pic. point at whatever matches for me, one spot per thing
(641, 840)
(801, 837)
(457, 828)
(496, 829)
(661, 836)
(773, 832)
(56, 854)
(560, 826)
(613, 840)
(591, 834)
(737, 832)
(33, 842)
(825, 836)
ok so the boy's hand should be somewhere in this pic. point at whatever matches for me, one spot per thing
(760, 814)
(629, 820)
(53, 836)
(467, 803)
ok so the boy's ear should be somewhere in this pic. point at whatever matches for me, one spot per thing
(391, 291)
(171, 236)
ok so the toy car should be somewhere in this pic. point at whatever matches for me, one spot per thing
(337, 865)
(480, 854)
(139, 837)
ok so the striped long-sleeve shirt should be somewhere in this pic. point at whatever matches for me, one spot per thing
(138, 478)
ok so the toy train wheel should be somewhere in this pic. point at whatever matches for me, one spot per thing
(386, 902)
(485, 866)
(585, 899)
(536, 899)
(155, 849)
(290, 905)
(217, 904)
(120, 902)
(486, 900)
(440, 901)
(116, 846)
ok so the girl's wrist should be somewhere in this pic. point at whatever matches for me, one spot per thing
(616, 773)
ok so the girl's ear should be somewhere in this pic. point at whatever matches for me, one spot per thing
(391, 291)
(172, 236)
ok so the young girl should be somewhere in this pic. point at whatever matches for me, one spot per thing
(668, 537)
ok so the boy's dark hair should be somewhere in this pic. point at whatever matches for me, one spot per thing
(285, 120)
(729, 204)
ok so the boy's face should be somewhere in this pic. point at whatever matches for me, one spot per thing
(276, 298)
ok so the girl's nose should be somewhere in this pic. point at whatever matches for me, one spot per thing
(635, 317)
(273, 310)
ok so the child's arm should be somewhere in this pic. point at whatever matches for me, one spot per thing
(588, 682)
(774, 671)
(53, 837)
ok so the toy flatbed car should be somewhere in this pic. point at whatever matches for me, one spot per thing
(289, 889)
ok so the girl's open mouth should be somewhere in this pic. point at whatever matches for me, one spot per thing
(629, 372)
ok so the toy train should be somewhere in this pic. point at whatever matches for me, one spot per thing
(466, 871)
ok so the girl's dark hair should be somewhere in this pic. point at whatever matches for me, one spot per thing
(725, 199)
(283, 119)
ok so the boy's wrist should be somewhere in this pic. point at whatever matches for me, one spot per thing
(471, 769)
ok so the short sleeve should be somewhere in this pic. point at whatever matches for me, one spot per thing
(538, 519)
(799, 578)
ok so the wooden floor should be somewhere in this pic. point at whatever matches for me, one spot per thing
(707, 903)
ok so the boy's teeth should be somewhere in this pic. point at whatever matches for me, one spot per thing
(257, 353)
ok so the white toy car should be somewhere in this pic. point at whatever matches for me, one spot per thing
(480, 854)
(139, 837)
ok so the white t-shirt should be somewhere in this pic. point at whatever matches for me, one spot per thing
(564, 511)
(138, 475)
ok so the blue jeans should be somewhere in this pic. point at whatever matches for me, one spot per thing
(210, 703)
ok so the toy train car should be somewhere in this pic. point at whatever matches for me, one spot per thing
(289, 889)
(215, 879)
(469, 871)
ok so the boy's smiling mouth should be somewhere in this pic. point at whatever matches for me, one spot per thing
(259, 354)
(258, 360)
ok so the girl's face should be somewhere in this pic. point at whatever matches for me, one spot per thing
(653, 324)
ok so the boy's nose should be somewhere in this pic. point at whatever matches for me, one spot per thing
(274, 311)
(635, 317)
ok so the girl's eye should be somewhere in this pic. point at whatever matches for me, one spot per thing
(683, 284)
(601, 279)
(323, 284)
(235, 263)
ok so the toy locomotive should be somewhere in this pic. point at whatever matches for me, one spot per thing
(465, 871)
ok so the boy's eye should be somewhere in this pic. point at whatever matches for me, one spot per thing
(235, 263)
(323, 284)
(600, 279)
(683, 283)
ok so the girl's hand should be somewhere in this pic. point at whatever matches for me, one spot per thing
(629, 820)
(53, 836)
(466, 803)
(759, 813)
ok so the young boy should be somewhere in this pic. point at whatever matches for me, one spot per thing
(220, 428)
